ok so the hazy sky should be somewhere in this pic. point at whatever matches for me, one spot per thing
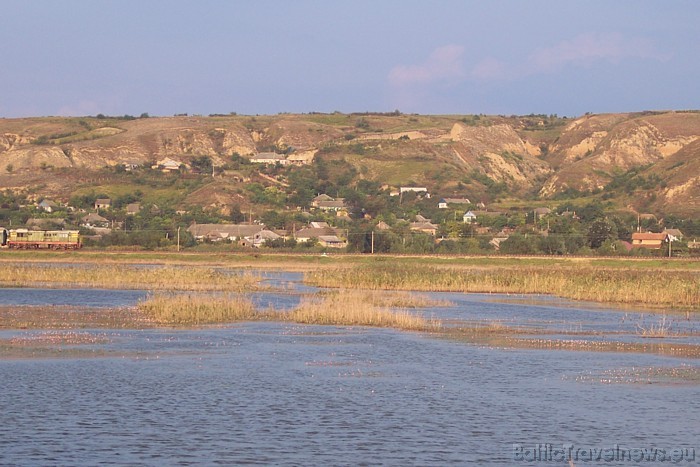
(83, 57)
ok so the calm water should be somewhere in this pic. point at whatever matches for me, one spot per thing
(272, 393)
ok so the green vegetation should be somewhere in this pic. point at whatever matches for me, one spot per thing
(361, 159)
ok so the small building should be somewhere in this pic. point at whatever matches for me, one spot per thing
(94, 220)
(424, 227)
(269, 158)
(331, 241)
(103, 203)
(133, 208)
(322, 198)
(419, 190)
(223, 232)
(648, 240)
(675, 234)
(444, 203)
(168, 165)
(335, 205)
(47, 205)
(260, 238)
(327, 237)
(469, 217)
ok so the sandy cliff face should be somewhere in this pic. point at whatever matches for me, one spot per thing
(593, 149)
(137, 142)
(499, 152)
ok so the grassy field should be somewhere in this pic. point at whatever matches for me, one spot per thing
(266, 259)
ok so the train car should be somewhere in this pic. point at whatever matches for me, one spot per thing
(36, 239)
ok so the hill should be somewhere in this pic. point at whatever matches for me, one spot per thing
(644, 162)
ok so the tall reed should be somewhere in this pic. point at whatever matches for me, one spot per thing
(123, 276)
(189, 309)
(654, 288)
(353, 308)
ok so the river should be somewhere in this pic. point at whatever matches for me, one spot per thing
(283, 394)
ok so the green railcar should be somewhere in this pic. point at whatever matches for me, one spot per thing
(35, 239)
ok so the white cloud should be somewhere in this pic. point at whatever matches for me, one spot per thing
(588, 48)
(443, 64)
(582, 50)
(490, 68)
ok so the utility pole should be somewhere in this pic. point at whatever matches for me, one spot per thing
(373, 242)
(178, 238)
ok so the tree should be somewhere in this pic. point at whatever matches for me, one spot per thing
(519, 245)
(202, 164)
(601, 230)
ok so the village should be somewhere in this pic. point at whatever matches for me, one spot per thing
(410, 219)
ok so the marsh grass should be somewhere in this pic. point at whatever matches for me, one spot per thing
(655, 330)
(195, 309)
(347, 308)
(127, 277)
(679, 289)
(401, 299)
(356, 308)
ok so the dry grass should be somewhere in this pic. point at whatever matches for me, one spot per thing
(657, 330)
(679, 289)
(127, 277)
(346, 308)
(402, 299)
(188, 309)
(353, 308)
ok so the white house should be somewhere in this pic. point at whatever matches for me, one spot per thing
(414, 189)
(469, 217)
(445, 202)
(269, 158)
(47, 205)
(168, 165)
(219, 232)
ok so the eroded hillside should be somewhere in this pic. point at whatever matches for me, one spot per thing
(484, 156)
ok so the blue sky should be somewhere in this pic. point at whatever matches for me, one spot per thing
(568, 57)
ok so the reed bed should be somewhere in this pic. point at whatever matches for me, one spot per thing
(349, 308)
(353, 308)
(195, 309)
(678, 289)
(123, 277)
(402, 299)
